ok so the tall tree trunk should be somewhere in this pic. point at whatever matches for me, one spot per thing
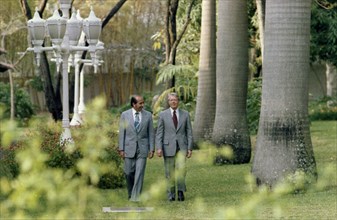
(230, 126)
(284, 143)
(206, 99)
(53, 99)
(12, 94)
(261, 9)
(331, 80)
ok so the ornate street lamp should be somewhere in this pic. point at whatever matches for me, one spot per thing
(64, 34)
(37, 31)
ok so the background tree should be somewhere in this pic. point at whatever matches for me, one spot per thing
(284, 143)
(206, 98)
(261, 8)
(12, 30)
(182, 59)
(230, 126)
(323, 40)
(172, 36)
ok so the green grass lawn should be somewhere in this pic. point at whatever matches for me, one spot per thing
(224, 191)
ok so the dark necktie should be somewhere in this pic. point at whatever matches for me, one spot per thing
(175, 119)
(137, 121)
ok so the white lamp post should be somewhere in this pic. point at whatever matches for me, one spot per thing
(64, 34)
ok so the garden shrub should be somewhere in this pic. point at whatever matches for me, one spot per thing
(324, 108)
(23, 106)
(254, 104)
(59, 156)
(8, 166)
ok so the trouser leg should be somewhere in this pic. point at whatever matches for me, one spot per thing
(139, 179)
(129, 171)
(181, 171)
(169, 163)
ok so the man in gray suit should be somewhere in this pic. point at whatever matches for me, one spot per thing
(174, 142)
(136, 143)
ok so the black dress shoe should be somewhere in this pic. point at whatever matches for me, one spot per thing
(181, 196)
(171, 199)
(171, 196)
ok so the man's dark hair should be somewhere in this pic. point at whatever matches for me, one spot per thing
(134, 100)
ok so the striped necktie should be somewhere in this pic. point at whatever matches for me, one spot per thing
(137, 121)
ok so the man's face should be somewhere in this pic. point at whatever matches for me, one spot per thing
(139, 105)
(173, 102)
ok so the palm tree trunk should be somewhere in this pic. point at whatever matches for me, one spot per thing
(331, 80)
(230, 127)
(206, 99)
(284, 143)
(261, 10)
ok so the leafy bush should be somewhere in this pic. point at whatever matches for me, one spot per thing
(23, 106)
(60, 157)
(44, 186)
(8, 166)
(254, 104)
(324, 108)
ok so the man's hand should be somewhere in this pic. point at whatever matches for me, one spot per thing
(160, 152)
(189, 154)
(151, 153)
(122, 154)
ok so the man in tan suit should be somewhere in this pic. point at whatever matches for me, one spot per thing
(174, 142)
(136, 143)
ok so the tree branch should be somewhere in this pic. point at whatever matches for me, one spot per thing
(42, 6)
(26, 9)
(167, 23)
(113, 11)
(326, 5)
(188, 19)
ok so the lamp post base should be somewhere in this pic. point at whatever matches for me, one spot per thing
(66, 136)
(76, 120)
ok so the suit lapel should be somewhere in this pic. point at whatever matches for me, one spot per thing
(131, 120)
(141, 125)
(180, 114)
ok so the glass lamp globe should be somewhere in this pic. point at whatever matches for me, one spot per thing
(74, 29)
(37, 29)
(56, 26)
(92, 27)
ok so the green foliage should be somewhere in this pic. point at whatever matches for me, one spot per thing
(23, 106)
(44, 186)
(147, 105)
(324, 108)
(324, 33)
(50, 137)
(254, 104)
(185, 86)
(189, 46)
(9, 168)
(36, 83)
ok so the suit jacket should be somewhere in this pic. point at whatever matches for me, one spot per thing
(168, 136)
(129, 138)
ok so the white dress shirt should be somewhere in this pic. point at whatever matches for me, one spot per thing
(134, 115)
(177, 113)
